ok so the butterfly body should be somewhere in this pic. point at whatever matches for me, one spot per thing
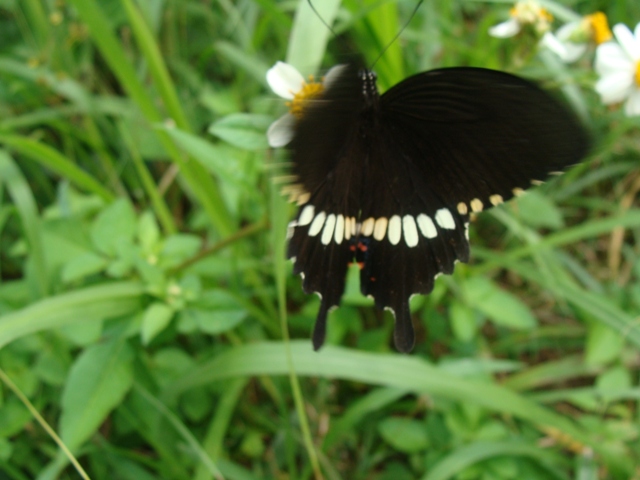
(388, 182)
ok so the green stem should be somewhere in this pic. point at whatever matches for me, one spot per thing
(198, 180)
(43, 423)
(158, 203)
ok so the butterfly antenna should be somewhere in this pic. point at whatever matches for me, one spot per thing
(399, 32)
(322, 19)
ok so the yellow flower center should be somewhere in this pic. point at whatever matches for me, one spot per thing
(545, 15)
(599, 27)
(530, 13)
(308, 91)
(637, 76)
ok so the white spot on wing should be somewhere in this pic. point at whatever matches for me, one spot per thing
(395, 230)
(380, 228)
(290, 229)
(347, 227)
(303, 198)
(306, 216)
(476, 205)
(517, 191)
(339, 234)
(427, 227)
(327, 233)
(367, 226)
(462, 208)
(410, 231)
(496, 199)
(445, 219)
(317, 224)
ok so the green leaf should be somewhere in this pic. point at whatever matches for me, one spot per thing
(213, 322)
(196, 404)
(215, 311)
(500, 306)
(54, 160)
(252, 444)
(464, 322)
(369, 403)
(243, 130)
(23, 198)
(604, 344)
(537, 210)
(155, 319)
(220, 159)
(13, 417)
(148, 232)
(82, 334)
(613, 381)
(309, 34)
(87, 305)
(390, 370)
(83, 266)
(6, 448)
(468, 455)
(178, 248)
(404, 434)
(98, 381)
(115, 224)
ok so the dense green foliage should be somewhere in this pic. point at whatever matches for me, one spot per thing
(144, 295)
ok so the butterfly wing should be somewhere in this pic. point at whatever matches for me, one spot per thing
(325, 138)
(408, 235)
(391, 183)
(450, 142)
(477, 135)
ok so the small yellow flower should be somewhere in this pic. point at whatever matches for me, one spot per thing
(618, 65)
(524, 13)
(570, 42)
(600, 31)
(288, 83)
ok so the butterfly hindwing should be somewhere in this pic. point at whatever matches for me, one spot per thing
(410, 235)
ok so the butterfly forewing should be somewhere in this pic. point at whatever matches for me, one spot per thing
(388, 182)
(478, 135)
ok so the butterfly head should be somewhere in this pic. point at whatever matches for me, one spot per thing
(369, 87)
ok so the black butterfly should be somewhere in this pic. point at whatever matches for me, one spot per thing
(389, 181)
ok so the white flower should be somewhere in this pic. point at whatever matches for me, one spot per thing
(526, 12)
(618, 65)
(571, 40)
(288, 83)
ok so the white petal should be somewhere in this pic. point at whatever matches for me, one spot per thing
(610, 58)
(614, 88)
(333, 73)
(280, 132)
(574, 51)
(505, 29)
(636, 32)
(632, 107)
(628, 42)
(566, 50)
(285, 80)
(550, 41)
(565, 31)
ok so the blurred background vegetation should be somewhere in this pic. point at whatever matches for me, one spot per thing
(144, 291)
